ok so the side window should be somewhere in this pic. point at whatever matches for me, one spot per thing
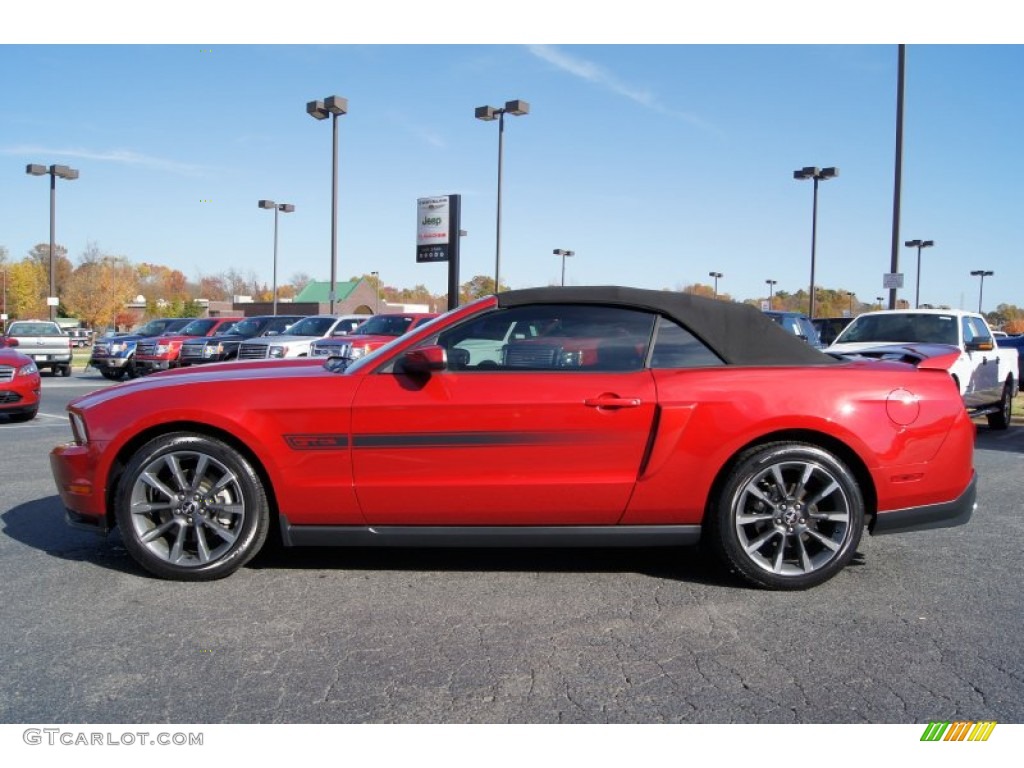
(563, 337)
(676, 347)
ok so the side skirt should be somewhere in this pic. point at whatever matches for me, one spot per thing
(488, 536)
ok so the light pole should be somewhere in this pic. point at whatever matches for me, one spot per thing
(818, 174)
(376, 290)
(284, 208)
(919, 244)
(716, 275)
(982, 273)
(879, 299)
(563, 253)
(69, 174)
(516, 107)
(771, 291)
(336, 106)
(849, 295)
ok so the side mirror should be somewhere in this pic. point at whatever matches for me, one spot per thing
(423, 360)
(980, 345)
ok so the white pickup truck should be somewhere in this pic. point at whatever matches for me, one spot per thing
(44, 342)
(985, 374)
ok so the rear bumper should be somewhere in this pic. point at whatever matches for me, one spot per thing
(946, 515)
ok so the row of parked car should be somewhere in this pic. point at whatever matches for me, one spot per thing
(166, 343)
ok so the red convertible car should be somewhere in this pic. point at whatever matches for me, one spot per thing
(19, 385)
(542, 417)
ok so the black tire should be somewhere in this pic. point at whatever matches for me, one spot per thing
(172, 527)
(1001, 419)
(65, 370)
(790, 516)
(130, 371)
(114, 374)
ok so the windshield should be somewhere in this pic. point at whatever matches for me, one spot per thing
(198, 327)
(250, 327)
(312, 326)
(386, 325)
(906, 328)
(153, 328)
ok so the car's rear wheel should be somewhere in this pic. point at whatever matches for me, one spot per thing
(191, 508)
(789, 516)
(1001, 418)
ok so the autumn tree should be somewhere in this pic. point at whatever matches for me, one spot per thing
(27, 288)
(479, 286)
(98, 290)
(162, 284)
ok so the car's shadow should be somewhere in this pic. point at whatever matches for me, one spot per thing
(40, 524)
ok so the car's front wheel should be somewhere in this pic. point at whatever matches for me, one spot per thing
(191, 508)
(789, 516)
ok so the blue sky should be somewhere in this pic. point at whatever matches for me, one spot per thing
(654, 163)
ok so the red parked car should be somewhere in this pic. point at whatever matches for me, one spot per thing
(162, 353)
(541, 417)
(19, 385)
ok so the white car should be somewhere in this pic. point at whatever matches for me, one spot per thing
(299, 337)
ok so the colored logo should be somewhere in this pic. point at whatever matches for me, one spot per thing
(959, 731)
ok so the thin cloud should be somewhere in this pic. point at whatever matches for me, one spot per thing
(123, 156)
(598, 75)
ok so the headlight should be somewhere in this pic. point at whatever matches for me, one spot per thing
(115, 348)
(354, 353)
(163, 349)
(78, 428)
(211, 351)
(27, 369)
(278, 352)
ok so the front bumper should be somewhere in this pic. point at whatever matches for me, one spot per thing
(74, 469)
(946, 515)
(109, 362)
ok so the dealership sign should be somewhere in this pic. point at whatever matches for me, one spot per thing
(433, 229)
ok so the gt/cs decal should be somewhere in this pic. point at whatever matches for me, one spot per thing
(316, 442)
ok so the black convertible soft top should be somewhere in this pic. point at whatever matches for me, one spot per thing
(739, 333)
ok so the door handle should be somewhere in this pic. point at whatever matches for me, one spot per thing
(612, 401)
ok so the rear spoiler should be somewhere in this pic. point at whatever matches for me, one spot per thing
(927, 356)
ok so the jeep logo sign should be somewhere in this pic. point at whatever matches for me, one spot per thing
(432, 229)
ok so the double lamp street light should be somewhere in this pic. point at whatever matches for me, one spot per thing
(516, 107)
(817, 174)
(563, 253)
(334, 106)
(919, 244)
(982, 273)
(283, 208)
(715, 276)
(55, 172)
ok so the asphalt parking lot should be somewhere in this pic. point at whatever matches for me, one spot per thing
(926, 626)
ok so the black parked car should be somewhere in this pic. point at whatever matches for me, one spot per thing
(830, 327)
(214, 349)
(798, 324)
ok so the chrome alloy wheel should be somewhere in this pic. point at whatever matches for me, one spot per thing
(792, 517)
(187, 508)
